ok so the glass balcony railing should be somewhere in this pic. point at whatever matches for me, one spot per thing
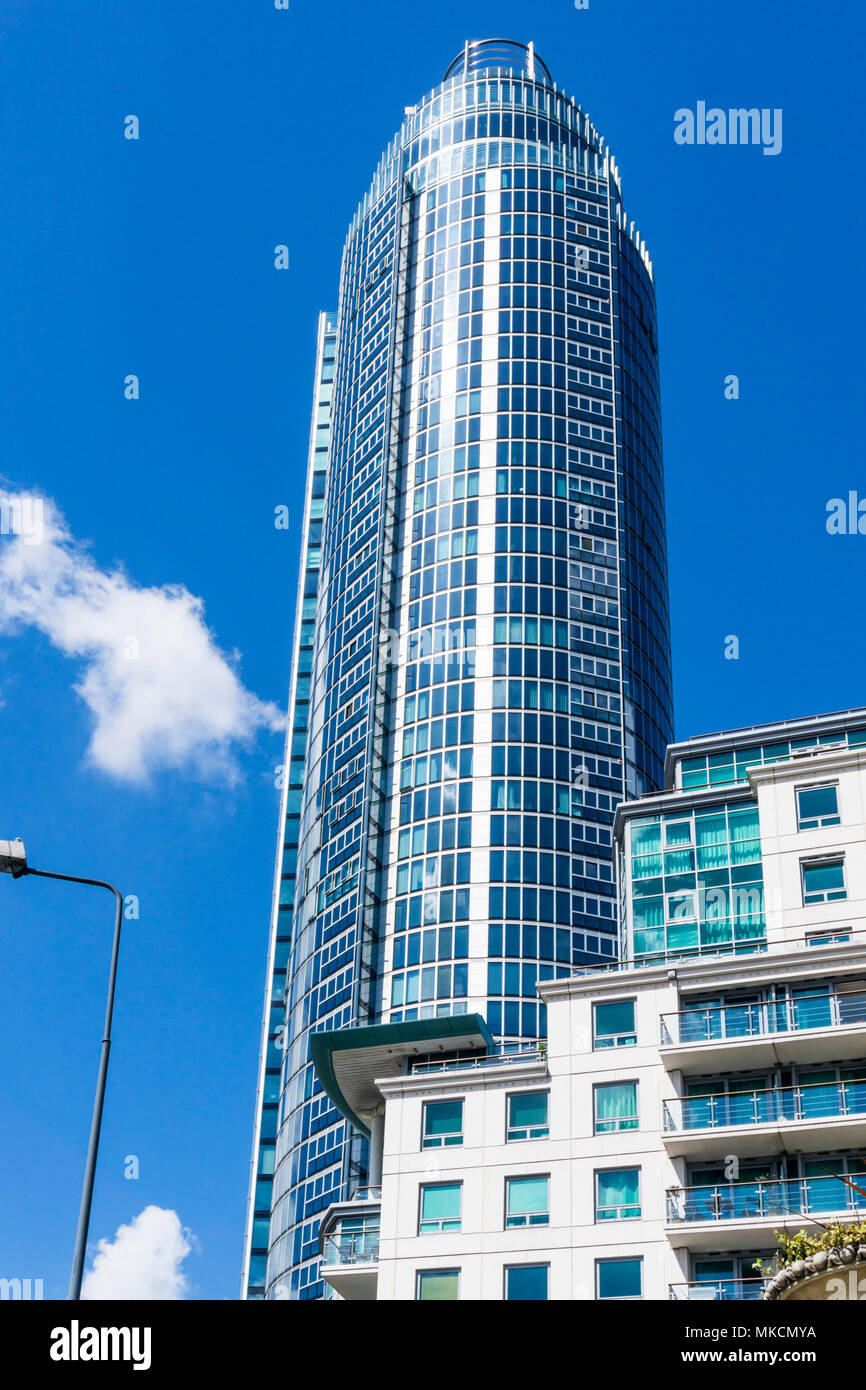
(523, 1052)
(826, 1100)
(354, 1245)
(827, 1009)
(745, 1201)
(715, 1290)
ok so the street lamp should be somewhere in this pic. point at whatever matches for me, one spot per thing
(13, 860)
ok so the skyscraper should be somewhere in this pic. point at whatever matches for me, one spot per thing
(481, 665)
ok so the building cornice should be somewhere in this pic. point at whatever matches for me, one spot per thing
(807, 764)
(468, 1078)
(777, 963)
(753, 735)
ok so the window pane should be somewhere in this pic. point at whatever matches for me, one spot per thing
(824, 882)
(440, 1203)
(526, 1282)
(527, 1194)
(646, 838)
(527, 1201)
(528, 1111)
(618, 1194)
(616, 1106)
(814, 803)
(443, 1122)
(619, 1278)
(438, 1284)
(823, 876)
(614, 1020)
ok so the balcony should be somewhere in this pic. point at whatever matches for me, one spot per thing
(726, 1216)
(349, 1242)
(738, 1036)
(826, 1115)
(522, 1053)
(720, 1289)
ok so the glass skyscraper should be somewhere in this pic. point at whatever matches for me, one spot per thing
(481, 663)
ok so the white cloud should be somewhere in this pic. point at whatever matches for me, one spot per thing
(143, 1261)
(160, 692)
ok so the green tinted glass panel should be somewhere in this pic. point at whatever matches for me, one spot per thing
(527, 1195)
(438, 1284)
(440, 1203)
(528, 1111)
(823, 878)
(616, 1017)
(443, 1117)
(618, 1187)
(646, 838)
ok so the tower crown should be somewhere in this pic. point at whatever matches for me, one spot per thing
(478, 54)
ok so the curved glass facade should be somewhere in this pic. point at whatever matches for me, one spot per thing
(490, 669)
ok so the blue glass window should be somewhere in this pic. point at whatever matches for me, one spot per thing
(817, 806)
(619, 1278)
(528, 1116)
(526, 1283)
(613, 1024)
(824, 881)
(443, 1124)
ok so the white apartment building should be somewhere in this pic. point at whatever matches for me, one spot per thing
(689, 1102)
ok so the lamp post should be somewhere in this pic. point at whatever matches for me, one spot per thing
(13, 860)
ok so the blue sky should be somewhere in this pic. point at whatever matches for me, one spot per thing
(155, 257)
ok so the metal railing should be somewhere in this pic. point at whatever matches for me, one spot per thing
(824, 1100)
(526, 1053)
(366, 1194)
(770, 1197)
(827, 1009)
(356, 1247)
(749, 1289)
(841, 934)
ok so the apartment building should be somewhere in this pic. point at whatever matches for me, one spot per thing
(690, 1101)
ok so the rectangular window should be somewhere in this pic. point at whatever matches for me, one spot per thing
(817, 806)
(617, 1194)
(619, 1278)
(437, 1285)
(823, 881)
(615, 1106)
(440, 1208)
(527, 1116)
(613, 1024)
(527, 1202)
(443, 1124)
(526, 1283)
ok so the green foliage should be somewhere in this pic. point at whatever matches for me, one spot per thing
(803, 1244)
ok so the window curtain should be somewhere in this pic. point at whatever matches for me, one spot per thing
(617, 1102)
(711, 835)
(618, 1188)
(744, 832)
